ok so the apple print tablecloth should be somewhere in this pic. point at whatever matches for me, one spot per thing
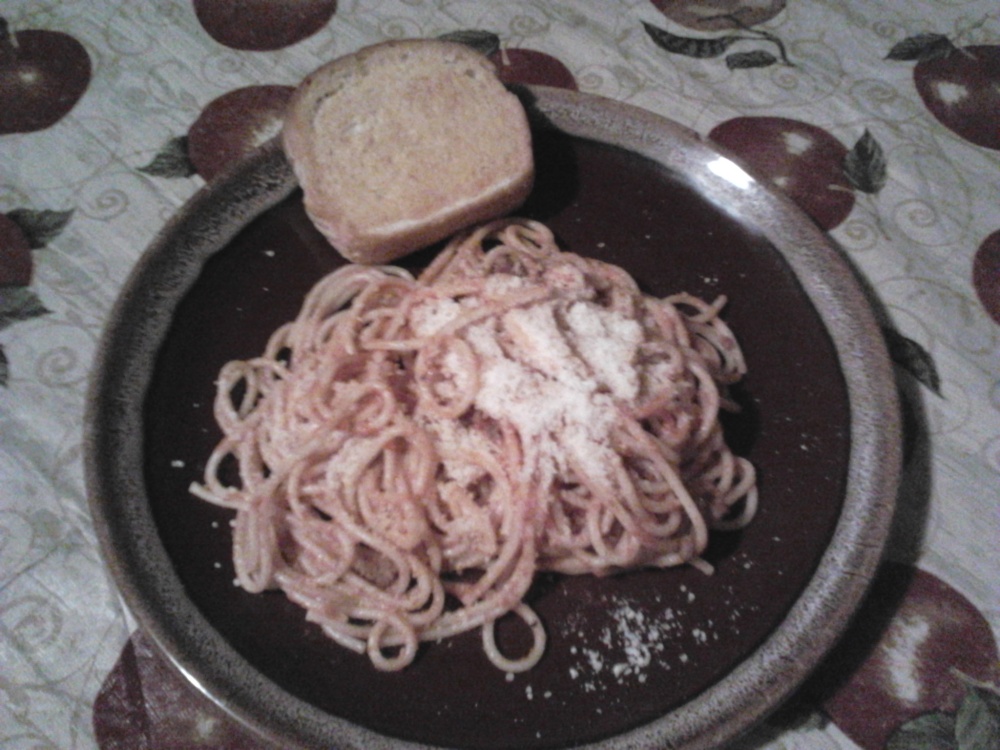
(882, 120)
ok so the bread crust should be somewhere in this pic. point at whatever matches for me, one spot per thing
(403, 143)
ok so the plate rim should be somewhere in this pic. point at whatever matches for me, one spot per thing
(767, 676)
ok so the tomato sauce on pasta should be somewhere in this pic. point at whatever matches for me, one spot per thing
(410, 452)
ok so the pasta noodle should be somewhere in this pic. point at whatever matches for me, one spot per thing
(407, 453)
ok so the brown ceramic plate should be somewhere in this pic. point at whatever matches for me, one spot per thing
(648, 659)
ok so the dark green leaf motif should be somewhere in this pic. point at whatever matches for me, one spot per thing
(689, 46)
(171, 161)
(913, 358)
(933, 731)
(485, 42)
(921, 47)
(19, 303)
(865, 166)
(977, 725)
(745, 60)
(40, 227)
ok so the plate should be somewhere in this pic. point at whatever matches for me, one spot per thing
(646, 659)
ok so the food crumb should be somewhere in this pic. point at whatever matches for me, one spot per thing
(595, 660)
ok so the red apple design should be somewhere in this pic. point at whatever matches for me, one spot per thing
(260, 25)
(516, 64)
(15, 254)
(986, 275)
(43, 74)
(962, 90)
(234, 124)
(228, 128)
(807, 163)
(528, 66)
(916, 649)
(21, 231)
(145, 703)
(960, 86)
(713, 15)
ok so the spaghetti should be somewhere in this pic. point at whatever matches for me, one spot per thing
(407, 453)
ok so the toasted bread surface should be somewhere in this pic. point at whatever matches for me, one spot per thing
(403, 143)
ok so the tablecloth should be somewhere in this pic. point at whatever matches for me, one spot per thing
(882, 120)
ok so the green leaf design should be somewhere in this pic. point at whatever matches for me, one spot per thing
(690, 46)
(865, 165)
(977, 725)
(171, 161)
(921, 47)
(19, 303)
(40, 227)
(913, 358)
(933, 731)
(485, 42)
(4, 368)
(754, 59)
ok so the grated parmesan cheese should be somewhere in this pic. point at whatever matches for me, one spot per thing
(560, 388)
